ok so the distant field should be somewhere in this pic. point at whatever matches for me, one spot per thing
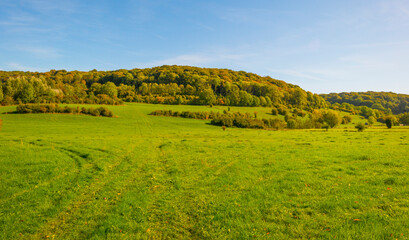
(147, 177)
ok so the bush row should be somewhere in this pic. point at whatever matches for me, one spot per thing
(186, 114)
(246, 121)
(54, 108)
(237, 119)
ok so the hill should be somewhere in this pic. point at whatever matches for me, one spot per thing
(165, 84)
(387, 102)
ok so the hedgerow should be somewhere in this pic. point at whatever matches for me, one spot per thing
(54, 108)
(236, 119)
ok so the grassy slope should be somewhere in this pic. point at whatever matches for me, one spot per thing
(140, 176)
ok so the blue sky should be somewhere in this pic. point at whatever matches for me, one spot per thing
(321, 45)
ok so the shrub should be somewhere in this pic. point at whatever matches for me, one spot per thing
(360, 127)
(274, 111)
(68, 109)
(390, 121)
(299, 112)
(282, 110)
(346, 119)
(94, 112)
(291, 124)
(53, 108)
(23, 109)
(105, 112)
(371, 120)
(274, 123)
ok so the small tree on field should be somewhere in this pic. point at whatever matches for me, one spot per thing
(390, 120)
(331, 118)
(360, 127)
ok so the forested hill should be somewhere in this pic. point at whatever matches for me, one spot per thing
(384, 101)
(165, 84)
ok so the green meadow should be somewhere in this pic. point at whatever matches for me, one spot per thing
(147, 177)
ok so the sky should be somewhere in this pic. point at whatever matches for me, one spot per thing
(321, 45)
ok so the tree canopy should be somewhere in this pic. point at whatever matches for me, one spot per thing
(386, 102)
(165, 84)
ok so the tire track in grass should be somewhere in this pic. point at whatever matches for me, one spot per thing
(145, 121)
(48, 182)
(66, 219)
(66, 181)
(71, 154)
(149, 182)
(164, 185)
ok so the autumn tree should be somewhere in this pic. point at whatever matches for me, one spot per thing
(331, 118)
(207, 97)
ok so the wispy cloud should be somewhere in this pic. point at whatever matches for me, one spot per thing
(19, 20)
(198, 59)
(39, 52)
(296, 73)
(380, 44)
(397, 8)
(251, 15)
(18, 67)
(50, 6)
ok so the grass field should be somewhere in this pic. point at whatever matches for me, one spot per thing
(145, 177)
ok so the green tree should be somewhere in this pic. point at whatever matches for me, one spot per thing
(246, 99)
(207, 97)
(331, 118)
(299, 97)
(26, 92)
(109, 89)
(390, 121)
(404, 118)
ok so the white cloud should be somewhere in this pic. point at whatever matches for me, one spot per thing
(251, 15)
(199, 59)
(296, 73)
(50, 6)
(19, 67)
(39, 52)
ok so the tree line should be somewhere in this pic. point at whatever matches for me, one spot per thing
(386, 102)
(165, 84)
